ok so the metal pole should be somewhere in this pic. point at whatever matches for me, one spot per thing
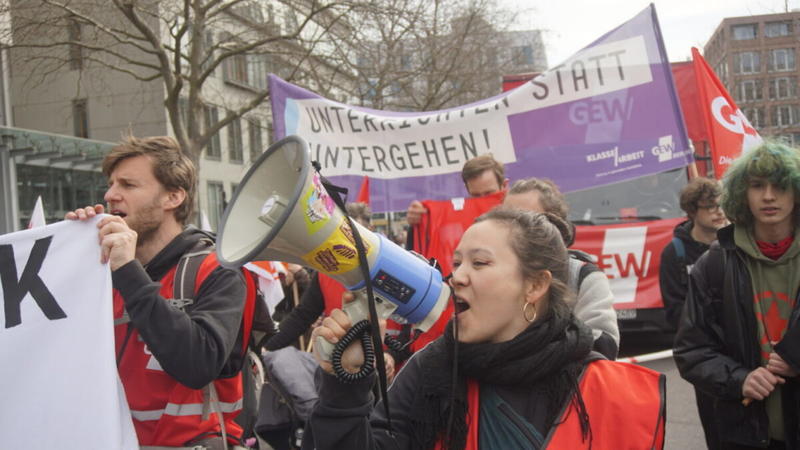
(8, 190)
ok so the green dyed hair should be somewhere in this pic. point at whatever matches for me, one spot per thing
(776, 162)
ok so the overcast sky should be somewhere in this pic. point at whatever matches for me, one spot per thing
(570, 25)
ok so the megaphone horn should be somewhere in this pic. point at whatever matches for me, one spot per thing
(282, 212)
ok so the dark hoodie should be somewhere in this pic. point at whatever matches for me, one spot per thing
(192, 347)
(673, 274)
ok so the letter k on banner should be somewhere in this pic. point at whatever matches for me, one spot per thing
(58, 379)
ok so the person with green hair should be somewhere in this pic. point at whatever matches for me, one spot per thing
(738, 340)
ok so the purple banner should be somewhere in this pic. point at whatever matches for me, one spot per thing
(607, 114)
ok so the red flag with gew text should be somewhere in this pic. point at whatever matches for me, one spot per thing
(729, 131)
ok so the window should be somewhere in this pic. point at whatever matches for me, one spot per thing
(750, 90)
(251, 11)
(747, 62)
(256, 143)
(782, 88)
(61, 189)
(216, 203)
(781, 60)
(249, 70)
(755, 116)
(522, 56)
(75, 50)
(213, 148)
(236, 69)
(235, 148)
(784, 115)
(744, 32)
(257, 71)
(777, 29)
(80, 118)
(722, 70)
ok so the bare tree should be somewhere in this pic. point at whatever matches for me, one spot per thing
(181, 44)
(389, 54)
(421, 55)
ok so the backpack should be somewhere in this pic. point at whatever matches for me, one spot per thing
(586, 267)
(257, 327)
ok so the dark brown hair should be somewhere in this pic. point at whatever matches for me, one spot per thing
(700, 189)
(479, 164)
(173, 169)
(536, 239)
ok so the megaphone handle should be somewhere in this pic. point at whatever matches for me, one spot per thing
(357, 310)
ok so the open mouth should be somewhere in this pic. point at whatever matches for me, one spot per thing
(460, 305)
(118, 213)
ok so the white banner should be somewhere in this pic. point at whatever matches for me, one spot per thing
(59, 386)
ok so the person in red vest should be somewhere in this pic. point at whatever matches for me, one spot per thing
(323, 295)
(514, 369)
(738, 338)
(482, 175)
(169, 354)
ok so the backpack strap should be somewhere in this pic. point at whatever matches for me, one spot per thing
(680, 250)
(184, 288)
(190, 274)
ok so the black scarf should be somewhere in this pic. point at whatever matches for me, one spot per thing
(548, 355)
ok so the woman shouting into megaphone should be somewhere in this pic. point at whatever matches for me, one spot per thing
(514, 368)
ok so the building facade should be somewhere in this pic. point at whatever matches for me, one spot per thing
(755, 57)
(70, 78)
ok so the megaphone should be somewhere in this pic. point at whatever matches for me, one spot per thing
(282, 212)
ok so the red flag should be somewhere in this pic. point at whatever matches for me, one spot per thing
(729, 131)
(363, 193)
(693, 114)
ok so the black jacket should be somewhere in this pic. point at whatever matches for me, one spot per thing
(345, 418)
(300, 319)
(673, 276)
(197, 346)
(717, 345)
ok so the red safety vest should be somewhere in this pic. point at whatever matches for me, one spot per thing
(165, 412)
(625, 404)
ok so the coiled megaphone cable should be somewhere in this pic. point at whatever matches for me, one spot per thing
(357, 331)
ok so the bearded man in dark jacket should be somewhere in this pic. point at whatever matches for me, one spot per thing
(738, 340)
(172, 353)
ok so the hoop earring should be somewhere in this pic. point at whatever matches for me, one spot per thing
(525, 312)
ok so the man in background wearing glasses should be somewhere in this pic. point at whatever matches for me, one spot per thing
(700, 200)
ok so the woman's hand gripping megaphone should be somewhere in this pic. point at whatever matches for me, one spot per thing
(332, 330)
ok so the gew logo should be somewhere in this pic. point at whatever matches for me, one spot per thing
(626, 265)
(664, 148)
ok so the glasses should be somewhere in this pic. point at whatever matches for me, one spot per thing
(711, 208)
